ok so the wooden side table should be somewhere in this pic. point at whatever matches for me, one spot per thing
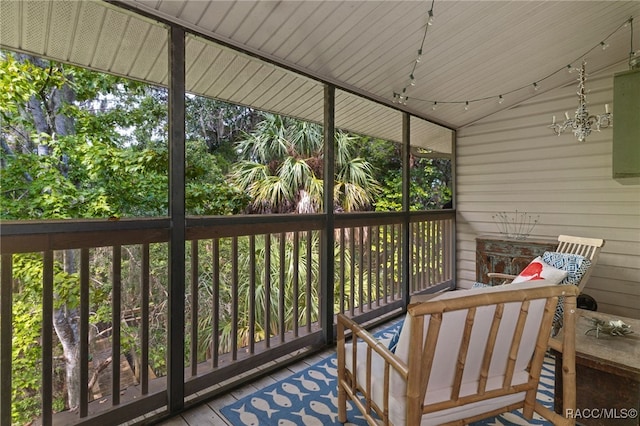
(507, 256)
(607, 373)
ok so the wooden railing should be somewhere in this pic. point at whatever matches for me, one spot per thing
(252, 295)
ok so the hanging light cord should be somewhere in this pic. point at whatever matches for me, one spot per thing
(631, 52)
(602, 44)
(402, 97)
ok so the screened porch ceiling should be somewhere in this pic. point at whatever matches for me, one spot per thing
(473, 50)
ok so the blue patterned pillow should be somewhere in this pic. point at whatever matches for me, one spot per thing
(574, 264)
(394, 340)
(479, 285)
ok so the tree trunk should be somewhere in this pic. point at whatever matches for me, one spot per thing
(67, 332)
(44, 109)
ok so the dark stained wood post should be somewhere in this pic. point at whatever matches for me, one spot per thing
(327, 240)
(406, 231)
(175, 374)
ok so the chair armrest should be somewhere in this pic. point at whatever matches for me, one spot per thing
(507, 278)
(345, 323)
(367, 381)
(499, 275)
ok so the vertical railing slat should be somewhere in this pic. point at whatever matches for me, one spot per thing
(429, 265)
(6, 337)
(361, 301)
(342, 270)
(377, 265)
(352, 272)
(415, 256)
(84, 332)
(144, 333)
(295, 263)
(370, 264)
(267, 289)
(194, 309)
(47, 338)
(435, 254)
(385, 252)
(281, 289)
(116, 313)
(309, 278)
(394, 285)
(234, 298)
(215, 303)
(252, 294)
(424, 234)
(439, 252)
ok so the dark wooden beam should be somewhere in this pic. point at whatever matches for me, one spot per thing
(175, 374)
(406, 200)
(327, 257)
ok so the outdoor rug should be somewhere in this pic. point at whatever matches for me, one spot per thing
(310, 398)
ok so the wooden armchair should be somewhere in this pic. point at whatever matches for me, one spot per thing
(587, 247)
(461, 357)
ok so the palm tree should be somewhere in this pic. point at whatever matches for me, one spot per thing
(282, 169)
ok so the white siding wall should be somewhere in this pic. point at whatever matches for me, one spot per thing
(511, 160)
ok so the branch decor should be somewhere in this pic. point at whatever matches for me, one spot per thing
(516, 225)
(612, 328)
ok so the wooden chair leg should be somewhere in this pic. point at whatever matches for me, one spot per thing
(342, 404)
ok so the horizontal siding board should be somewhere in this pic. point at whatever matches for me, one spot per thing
(622, 300)
(617, 310)
(511, 160)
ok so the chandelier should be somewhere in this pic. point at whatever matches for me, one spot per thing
(582, 124)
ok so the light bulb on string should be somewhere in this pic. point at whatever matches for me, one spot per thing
(634, 60)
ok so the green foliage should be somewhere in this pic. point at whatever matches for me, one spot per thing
(26, 349)
(27, 331)
(26, 355)
(20, 80)
(218, 125)
(281, 168)
(428, 187)
(207, 191)
(113, 160)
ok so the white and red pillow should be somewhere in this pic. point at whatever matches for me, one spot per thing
(539, 270)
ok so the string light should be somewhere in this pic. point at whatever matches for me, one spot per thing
(501, 97)
(633, 59)
(402, 99)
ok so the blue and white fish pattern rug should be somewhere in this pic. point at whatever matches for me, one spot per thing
(310, 398)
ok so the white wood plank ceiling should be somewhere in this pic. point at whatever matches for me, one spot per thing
(473, 50)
